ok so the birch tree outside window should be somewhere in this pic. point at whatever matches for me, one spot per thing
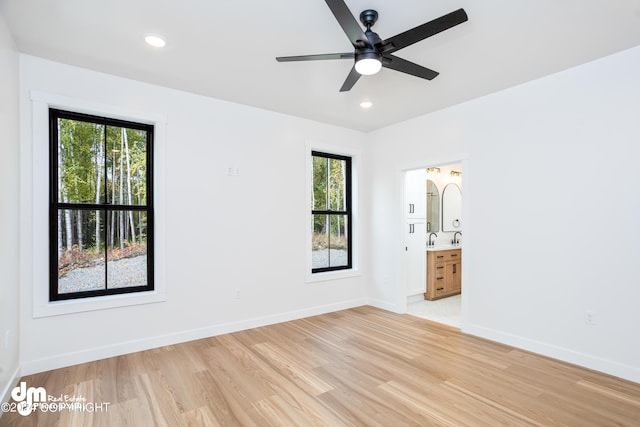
(101, 206)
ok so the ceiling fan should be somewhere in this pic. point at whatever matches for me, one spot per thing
(371, 53)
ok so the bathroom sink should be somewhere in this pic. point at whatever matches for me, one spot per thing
(443, 247)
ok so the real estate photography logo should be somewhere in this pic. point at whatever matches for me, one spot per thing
(26, 400)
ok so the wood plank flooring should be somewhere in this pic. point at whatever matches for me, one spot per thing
(357, 367)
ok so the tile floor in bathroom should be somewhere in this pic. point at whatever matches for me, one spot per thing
(445, 310)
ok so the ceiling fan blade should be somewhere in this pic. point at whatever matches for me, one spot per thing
(423, 31)
(346, 20)
(352, 78)
(398, 64)
(346, 55)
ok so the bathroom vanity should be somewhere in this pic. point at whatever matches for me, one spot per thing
(444, 272)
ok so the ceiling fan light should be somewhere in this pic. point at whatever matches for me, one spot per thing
(368, 66)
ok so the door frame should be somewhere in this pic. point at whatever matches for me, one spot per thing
(466, 245)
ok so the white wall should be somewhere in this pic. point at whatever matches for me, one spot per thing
(224, 234)
(550, 211)
(9, 212)
(551, 207)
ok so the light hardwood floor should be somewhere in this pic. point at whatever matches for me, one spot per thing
(357, 367)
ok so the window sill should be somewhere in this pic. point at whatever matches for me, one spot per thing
(332, 275)
(56, 308)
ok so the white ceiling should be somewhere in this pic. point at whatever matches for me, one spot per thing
(226, 49)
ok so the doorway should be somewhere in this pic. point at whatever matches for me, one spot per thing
(431, 215)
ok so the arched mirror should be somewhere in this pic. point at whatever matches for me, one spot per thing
(452, 208)
(433, 207)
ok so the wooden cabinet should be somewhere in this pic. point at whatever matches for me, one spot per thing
(444, 273)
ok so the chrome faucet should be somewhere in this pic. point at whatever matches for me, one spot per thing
(430, 243)
(455, 240)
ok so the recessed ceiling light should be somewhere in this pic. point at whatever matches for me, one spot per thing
(366, 104)
(155, 40)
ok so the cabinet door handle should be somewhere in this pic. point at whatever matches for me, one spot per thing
(439, 256)
(452, 255)
(438, 278)
(439, 289)
(455, 268)
(439, 267)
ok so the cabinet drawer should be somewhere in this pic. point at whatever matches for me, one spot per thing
(444, 256)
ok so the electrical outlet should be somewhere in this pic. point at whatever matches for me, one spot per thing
(590, 317)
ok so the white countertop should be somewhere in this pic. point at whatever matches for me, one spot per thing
(443, 248)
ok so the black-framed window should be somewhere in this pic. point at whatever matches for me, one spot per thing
(331, 239)
(100, 206)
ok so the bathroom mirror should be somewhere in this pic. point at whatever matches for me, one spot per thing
(433, 207)
(451, 208)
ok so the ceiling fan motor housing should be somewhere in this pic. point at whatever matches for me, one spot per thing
(368, 17)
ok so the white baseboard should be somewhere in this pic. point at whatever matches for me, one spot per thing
(385, 305)
(9, 385)
(415, 298)
(627, 372)
(89, 355)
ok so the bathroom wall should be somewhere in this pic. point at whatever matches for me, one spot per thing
(441, 180)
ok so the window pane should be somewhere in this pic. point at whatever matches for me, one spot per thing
(338, 241)
(329, 243)
(127, 249)
(80, 258)
(126, 166)
(320, 242)
(337, 179)
(137, 142)
(319, 195)
(80, 162)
